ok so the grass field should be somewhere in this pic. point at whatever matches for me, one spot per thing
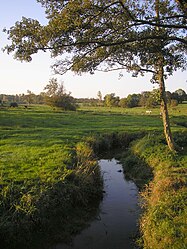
(36, 140)
(37, 146)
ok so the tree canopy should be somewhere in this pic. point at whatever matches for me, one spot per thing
(94, 35)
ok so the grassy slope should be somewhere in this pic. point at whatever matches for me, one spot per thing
(163, 224)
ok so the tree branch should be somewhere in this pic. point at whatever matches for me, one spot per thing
(162, 25)
(127, 11)
(127, 67)
(110, 44)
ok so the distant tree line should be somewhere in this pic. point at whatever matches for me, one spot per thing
(29, 98)
(55, 95)
(145, 99)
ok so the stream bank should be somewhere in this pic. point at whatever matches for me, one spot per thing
(117, 221)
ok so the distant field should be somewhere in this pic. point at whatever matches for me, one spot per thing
(37, 141)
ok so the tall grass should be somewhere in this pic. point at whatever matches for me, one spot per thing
(51, 206)
(163, 224)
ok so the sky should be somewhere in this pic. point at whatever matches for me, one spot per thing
(17, 77)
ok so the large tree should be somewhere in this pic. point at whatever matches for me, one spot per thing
(88, 35)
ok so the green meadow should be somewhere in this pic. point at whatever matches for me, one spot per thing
(42, 148)
(36, 141)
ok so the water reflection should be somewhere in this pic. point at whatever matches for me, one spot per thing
(117, 221)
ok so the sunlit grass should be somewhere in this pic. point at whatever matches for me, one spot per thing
(37, 139)
(163, 224)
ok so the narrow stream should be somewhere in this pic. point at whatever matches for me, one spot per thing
(116, 223)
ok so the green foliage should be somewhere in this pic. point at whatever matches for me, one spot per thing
(163, 224)
(123, 102)
(55, 184)
(56, 96)
(52, 87)
(110, 100)
(65, 102)
(179, 95)
(110, 141)
(136, 169)
(150, 99)
(133, 100)
(145, 99)
(123, 35)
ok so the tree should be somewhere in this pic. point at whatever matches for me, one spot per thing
(30, 97)
(150, 99)
(52, 87)
(4, 99)
(137, 36)
(144, 97)
(123, 102)
(56, 96)
(180, 95)
(133, 100)
(99, 95)
(110, 100)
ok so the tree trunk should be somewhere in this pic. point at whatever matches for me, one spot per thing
(160, 78)
(164, 109)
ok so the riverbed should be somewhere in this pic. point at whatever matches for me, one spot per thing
(116, 225)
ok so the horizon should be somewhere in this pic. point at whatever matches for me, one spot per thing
(14, 94)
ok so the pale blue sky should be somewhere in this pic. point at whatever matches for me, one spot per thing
(17, 77)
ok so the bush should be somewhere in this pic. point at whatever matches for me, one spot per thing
(56, 96)
(65, 102)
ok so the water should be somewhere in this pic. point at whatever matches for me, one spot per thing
(116, 223)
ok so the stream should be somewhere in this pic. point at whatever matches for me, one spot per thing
(116, 224)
